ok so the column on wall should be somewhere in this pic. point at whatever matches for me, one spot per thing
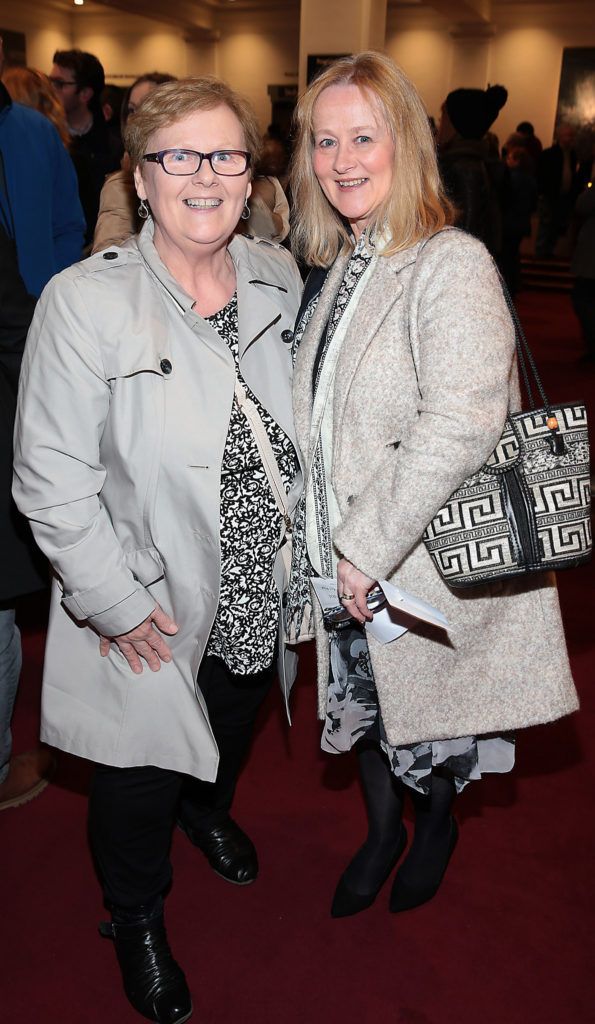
(338, 27)
(470, 55)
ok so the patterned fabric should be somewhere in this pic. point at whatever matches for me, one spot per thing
(244, 632)
(353, 712)
(526, 509)
(317, 499)
(321, 507)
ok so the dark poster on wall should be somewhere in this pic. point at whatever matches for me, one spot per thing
(576, 96)
(318, 62)
(15, 48)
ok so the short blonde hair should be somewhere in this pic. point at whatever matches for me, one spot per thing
(172, 101)
(416, 205)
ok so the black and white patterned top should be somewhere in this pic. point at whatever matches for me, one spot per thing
(245, 628)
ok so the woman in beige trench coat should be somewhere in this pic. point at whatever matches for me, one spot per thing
(404, 375)
(145, 488)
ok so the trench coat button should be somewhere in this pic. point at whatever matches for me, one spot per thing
(165, 366)
(287, 337)
(110, 255)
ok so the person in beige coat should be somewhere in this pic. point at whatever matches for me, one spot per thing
(404, 374)
(147, 491)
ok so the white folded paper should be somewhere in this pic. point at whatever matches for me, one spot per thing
(386, 624)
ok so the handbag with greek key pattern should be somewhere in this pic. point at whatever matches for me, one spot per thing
(528, 509)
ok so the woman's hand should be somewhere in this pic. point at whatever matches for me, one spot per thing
(351, 581)
(144, 642)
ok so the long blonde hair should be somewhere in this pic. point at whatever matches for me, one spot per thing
(33, 89)
(416, 205)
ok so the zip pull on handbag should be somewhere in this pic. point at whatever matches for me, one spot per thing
(528, 509)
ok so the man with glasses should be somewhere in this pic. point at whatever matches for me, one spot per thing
(79, 79)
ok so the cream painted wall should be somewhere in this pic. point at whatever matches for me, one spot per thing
(528, 62)
(127, 45)
(425, 55)
(258, 49)
(42, 40)
(525, 55)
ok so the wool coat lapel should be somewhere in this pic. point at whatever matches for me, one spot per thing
(381, 292)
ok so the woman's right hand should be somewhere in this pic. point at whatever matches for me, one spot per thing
(357, 585)
(144, 642)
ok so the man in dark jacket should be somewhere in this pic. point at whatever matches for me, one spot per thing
(79, 79)
(559, 183)
(24, 776)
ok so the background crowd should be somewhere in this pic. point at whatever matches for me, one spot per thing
(511, 193)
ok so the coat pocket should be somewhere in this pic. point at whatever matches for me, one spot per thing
(146, 565)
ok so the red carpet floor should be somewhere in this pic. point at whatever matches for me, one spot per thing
(508, 939)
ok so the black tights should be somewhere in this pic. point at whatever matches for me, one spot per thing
(384, 797)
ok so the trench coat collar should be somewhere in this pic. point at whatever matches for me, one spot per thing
(257, 286)
(258, 289)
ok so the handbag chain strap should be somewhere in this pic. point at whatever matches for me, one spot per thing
(267, 455)
(524, 354)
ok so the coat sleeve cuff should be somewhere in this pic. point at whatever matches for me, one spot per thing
(106, 610)
(352, 540)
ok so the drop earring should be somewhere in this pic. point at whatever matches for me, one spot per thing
(143, 210)
(245, 214)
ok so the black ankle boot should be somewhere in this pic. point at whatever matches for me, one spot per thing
(346, 902)
(153, 982)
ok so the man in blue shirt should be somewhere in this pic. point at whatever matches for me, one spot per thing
(39, 203)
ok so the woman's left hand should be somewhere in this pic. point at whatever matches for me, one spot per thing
(351, 581)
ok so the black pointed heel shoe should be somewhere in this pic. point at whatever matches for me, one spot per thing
(405, 897)
(346, 902)
(153, 982)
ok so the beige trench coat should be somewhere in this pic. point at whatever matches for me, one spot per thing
(397, 457)
(123, 414)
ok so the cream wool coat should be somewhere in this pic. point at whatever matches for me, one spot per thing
(397, 457)
(123, 414)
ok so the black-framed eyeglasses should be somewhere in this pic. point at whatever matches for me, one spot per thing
(59, 83)
(228, 162)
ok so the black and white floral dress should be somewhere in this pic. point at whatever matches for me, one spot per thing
(244, 632)
(352, 704)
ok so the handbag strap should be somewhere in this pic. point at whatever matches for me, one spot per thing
(524, 355)
(269, 461)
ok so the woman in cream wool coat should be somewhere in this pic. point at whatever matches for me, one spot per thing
(404, 375)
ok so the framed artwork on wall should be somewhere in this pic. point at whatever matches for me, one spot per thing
(15, 48)
(576, 96)
(318, 62)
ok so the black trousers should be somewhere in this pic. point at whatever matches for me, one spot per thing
(132, 811)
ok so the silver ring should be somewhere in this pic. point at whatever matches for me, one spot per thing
(346, 597)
